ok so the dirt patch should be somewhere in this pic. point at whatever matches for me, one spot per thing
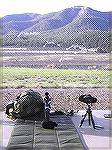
(57, 60)
(65, 99)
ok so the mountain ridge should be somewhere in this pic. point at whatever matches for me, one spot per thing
(65, 27)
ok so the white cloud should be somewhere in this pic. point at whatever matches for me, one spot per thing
(46, 6)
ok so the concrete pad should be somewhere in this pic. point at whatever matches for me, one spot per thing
(6, 127)
(95, 139)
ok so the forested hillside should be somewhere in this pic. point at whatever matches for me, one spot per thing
(73, 26)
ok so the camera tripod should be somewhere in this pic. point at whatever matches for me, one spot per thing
(90, 117)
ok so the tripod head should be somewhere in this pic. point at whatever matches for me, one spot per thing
(88, 99)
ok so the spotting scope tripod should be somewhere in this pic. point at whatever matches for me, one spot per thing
(90, 116)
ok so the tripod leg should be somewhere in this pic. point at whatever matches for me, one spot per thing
(83, 119)
(92, 121)
(89, 118)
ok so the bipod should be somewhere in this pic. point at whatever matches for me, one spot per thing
(47, 123)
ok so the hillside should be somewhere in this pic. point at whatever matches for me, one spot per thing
(76, 25)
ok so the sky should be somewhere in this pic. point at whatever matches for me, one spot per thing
(46, 6)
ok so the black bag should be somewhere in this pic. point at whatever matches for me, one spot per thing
(49, 124)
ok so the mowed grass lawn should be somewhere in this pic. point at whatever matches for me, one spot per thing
(15, 77)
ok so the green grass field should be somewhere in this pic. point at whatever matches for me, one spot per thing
(15, 77)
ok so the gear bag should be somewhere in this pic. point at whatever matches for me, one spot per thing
(27, 104)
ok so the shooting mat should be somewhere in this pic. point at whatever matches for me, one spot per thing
(29, 135)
